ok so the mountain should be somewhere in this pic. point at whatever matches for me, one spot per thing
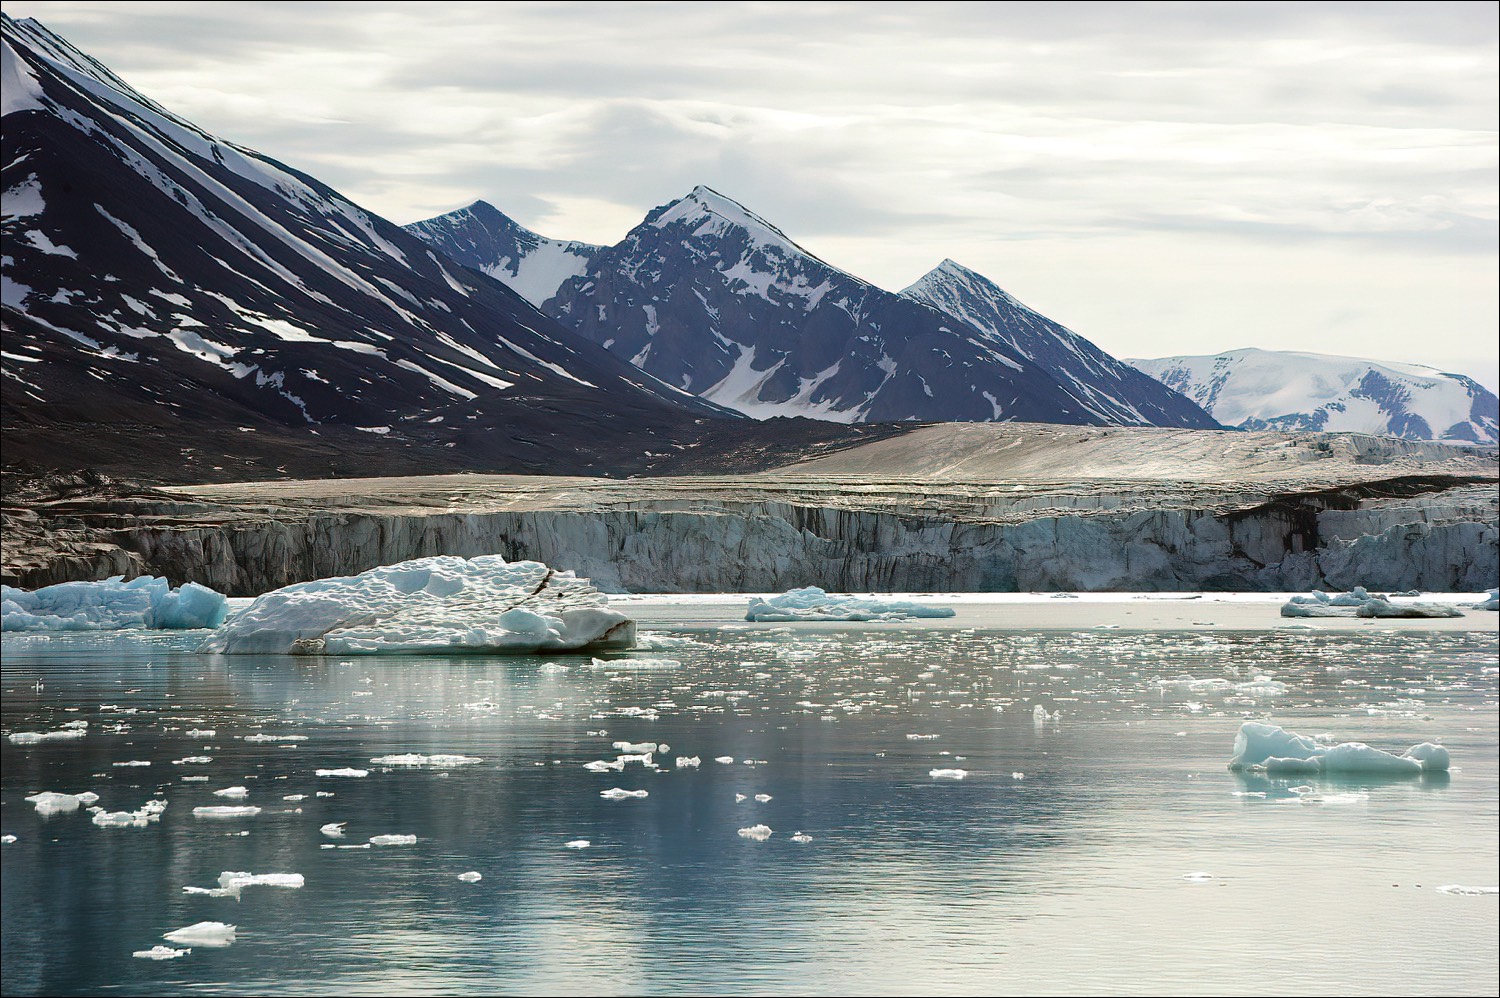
(1283, 390)
(715, 300)
(171, 294)
(1109, 388)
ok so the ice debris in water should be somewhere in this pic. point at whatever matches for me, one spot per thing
(813, 603)
(442, 604)
(334, 829)
(232, 882)
(472, 877)
(203, 934)
(1358, 602)
(947, 774)
(258, 738)
(160, 953)
(51, 802)
(34, 737)
(687, 762)
(763, 798)
(615, 793)
(724, 760)
(226, 811)
(236, 792)
(1275, 750)
(577, 844)
(131, 763)
(7, 839)
(393, 840)
(415, 759)
(801, 837)
(111, 605)
(757, 832)
(636, 664)
(921, 738)
(635, 746)
(1039, 714)
(353, 774)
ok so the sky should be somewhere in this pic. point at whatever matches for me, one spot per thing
(1163, 178)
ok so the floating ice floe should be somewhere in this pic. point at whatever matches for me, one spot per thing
(7, 840)
(813, 603)
(1491, 601)
(577, 844)
(802, 837)
(636, 664)
(131, 763)
(34, 737)
(346, 772)
(687, 762)
(1275, 750)
(615, 793)
(111, 605)
(231, 883)
(257, 738)
(472, 877)
(160, 953)
(202, 934)
(443, 604)
(724, 760)
(235, 792)
(1358, 602)
(757, 832)
(227, 811)
(51, 802)
(947, 774)
(393, 840)
(418, 761)
(334, 829)
(193, 760)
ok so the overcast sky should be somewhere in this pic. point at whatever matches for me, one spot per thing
(1164, 178)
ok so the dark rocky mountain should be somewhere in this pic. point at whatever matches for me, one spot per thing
(1109, 388)
(1285, 390)
(713, 299)
(172, 298)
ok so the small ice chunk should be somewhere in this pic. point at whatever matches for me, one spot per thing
(226, 811)
(121, 819)
(7, 839)
(346, 772)
(203, 934)
(813, 603)
(1197, 878)
(51, 802)
(160, 953)
(604, 766)
(635, 746)
(393, 840)
(687, 762)
(237, 793)
(615, 793)
(193, 760)
(762, 797)
(724, 760)
(921, 738)
(1434, 758)
(132, 762)
(577, 844)
(416, 759)
(757, 832)
(801, 837)
(35, 737)
(295, 797)
(472, 877)
(947, 774)
(334, 829)
(201, 732)
(258, 738)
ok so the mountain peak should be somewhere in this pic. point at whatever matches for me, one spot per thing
(703, 203)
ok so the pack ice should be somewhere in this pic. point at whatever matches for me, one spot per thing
(444, 604)
(146, 602)
(1275, 750)
(813, 603)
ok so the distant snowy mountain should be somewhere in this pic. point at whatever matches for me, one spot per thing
(155, 274)
(1111, 389)
(1282, 390)
(713, 299)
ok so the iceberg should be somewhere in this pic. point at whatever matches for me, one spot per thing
(143, 603)
(202, 934)
(1491, 601)
(813, 603)
(1276, 750)
(439, 605)
(1358, 602)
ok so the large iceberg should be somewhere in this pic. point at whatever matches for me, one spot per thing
(111, 605)
(1273, 749)
(439, 605)
(813, 603)
(1360, 603)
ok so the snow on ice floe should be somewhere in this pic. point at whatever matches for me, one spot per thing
(1276, 750)
(111, 605)
(160, 953)
(1359, 602)
(416, 760)
(757, 832)
(231, 883)
(813, 603)
(202, 934)
(442, 604)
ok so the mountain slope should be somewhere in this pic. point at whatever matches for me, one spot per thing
(159, 276)
(1284, 390)
(1113, 390)
(713, 299)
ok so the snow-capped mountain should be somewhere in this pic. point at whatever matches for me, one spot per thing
(1111, 389)
(158, 275)
(713, 299)
(482, 237)
(1283, 390)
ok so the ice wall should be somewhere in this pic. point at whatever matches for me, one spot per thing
(1445, 541)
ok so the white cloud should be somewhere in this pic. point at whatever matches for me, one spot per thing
(1164, 178)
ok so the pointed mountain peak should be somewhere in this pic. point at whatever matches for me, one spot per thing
(703, 203)
(951, 276)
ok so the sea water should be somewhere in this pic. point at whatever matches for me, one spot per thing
(1094, 844)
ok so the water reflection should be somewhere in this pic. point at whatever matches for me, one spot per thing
(1056, 865)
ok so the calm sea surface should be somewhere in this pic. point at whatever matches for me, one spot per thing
(1104, 851)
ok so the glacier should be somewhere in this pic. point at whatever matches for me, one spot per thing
(113, 604)
(437, 605)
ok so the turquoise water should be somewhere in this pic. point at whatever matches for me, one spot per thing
(1059, 864)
